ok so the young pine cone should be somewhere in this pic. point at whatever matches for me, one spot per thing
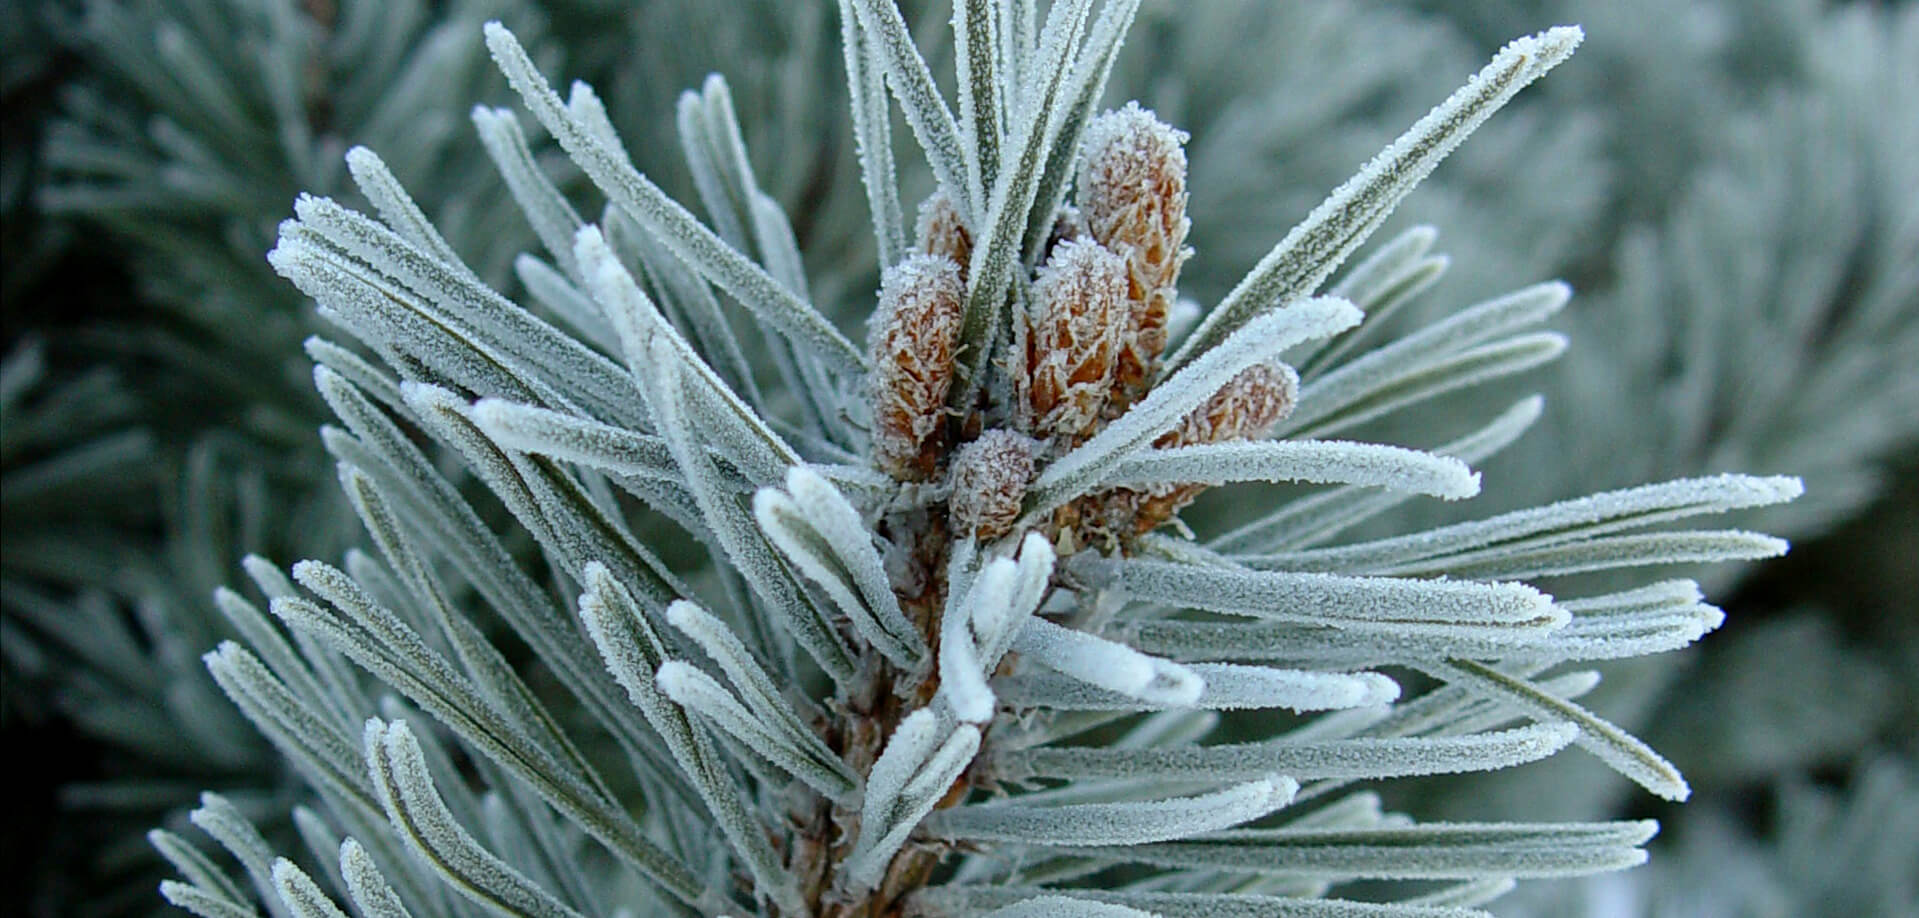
(989, 481)
(1247, 408)
(913, 336)
(1132, 196)
(1070, 336)
(941, 232)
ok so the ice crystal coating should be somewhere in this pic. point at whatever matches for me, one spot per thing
(1067, 225)
(914, 333)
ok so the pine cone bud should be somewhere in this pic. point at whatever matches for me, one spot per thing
(1132, 196)
(1246, 408)
(1070, 337)
(989, 481)
(913, 336)
(941, 232)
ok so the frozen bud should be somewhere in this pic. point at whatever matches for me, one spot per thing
(913, 335)
(941, 232)
(1246, 408)
(989, 481)
(1132, 196)
(1070, 336)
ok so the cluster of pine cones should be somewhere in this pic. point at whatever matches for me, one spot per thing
(1087, 335)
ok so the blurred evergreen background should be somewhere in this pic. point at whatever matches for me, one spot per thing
(1731, 187)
